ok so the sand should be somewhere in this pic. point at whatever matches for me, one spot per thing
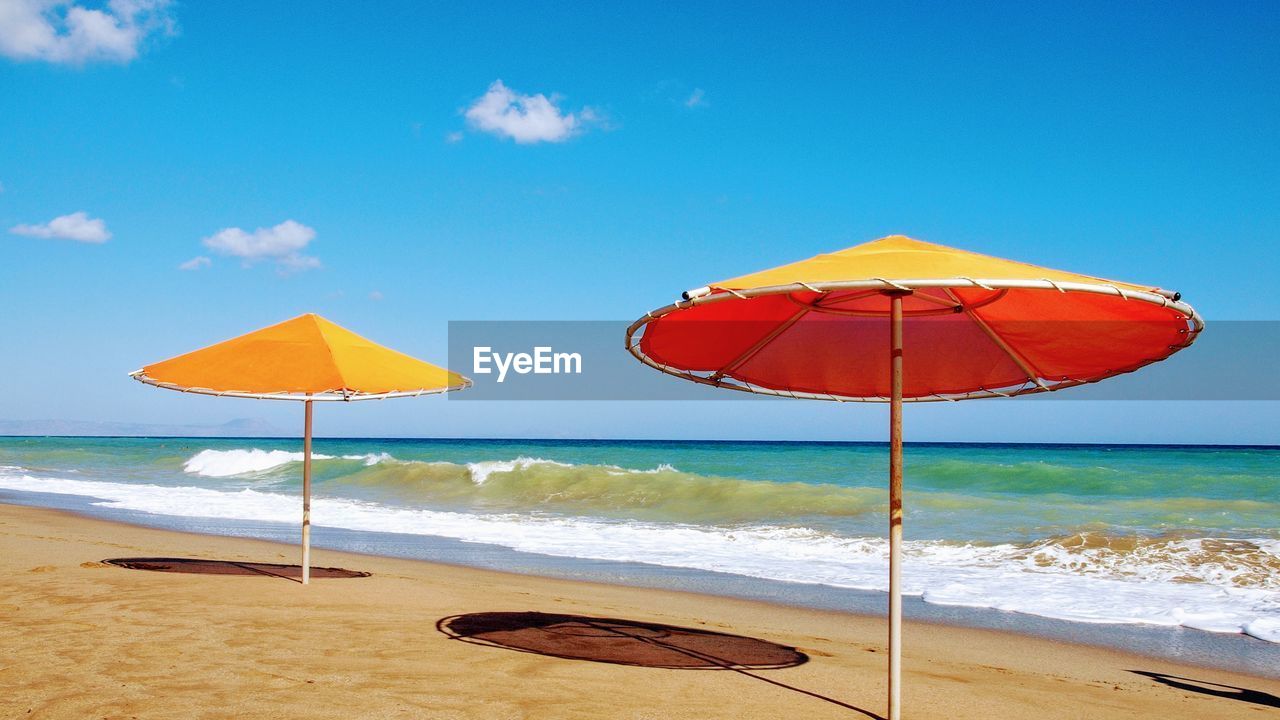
(82, 639)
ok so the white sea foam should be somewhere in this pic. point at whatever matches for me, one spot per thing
(480, 471)
(1265, 628)
(370, 458)
(1036, 580)
(662, 468)
(229, 463)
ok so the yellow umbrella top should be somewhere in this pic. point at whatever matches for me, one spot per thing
(902, 259)
(306, 358)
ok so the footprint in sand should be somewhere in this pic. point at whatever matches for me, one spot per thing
(44, 568)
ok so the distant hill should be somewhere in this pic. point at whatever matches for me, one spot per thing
(241, 427)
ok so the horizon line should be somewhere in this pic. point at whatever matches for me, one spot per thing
(661, 440)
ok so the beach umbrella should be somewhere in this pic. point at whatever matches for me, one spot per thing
(307, 359)
(900, 320)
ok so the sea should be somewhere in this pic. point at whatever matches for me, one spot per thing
(1084, 542)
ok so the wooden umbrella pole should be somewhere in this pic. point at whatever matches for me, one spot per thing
(306, 497)
(895, 508)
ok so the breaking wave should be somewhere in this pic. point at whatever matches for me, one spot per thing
(665, 493)
(527, 484)
(230, 463)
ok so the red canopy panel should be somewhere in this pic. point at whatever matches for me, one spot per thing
(955, 340)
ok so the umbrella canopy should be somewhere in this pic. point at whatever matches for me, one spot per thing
(307, 358)
(897, 320)
(977, 326)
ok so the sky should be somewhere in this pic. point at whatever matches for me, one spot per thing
(172, 174)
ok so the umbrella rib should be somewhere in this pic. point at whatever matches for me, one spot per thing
(760, 344)
(830, 307)
(955, 305)
(847, 298)
(1032, 374)
(337, 369)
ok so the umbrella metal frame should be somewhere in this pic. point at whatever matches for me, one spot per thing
(336, 395)
(896, 290)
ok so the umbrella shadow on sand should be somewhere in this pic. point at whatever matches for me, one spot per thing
(630, 642)
(201, 566)
(1229, 692)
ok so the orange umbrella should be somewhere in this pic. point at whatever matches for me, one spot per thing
(833, 328)
(307, 358)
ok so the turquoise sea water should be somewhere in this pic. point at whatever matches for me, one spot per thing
(1101, 534)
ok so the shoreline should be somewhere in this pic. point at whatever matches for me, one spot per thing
(1232, 652)
(1224, 651)
(262, 647)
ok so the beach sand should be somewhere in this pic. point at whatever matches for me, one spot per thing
(81, 639)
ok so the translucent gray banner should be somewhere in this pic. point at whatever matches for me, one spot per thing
(587, 360)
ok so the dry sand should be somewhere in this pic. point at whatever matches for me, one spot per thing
(80, 639)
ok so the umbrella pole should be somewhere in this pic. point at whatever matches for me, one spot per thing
(306, 497)
(895, 508)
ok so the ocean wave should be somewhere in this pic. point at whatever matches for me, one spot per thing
(665, 493)
(538, 484)
(232, 463)
(528, 484)
(480, 471)
(1215, 584)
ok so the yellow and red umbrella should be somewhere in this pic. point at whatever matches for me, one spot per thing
(897, 320)
(306, 359)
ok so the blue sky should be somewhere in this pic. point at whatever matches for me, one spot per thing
(671, 146)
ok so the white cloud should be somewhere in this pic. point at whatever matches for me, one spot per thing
(77, 226)
(453, 137)
(195, 263)
(696, 99)
(524, 118)
(376, 295)
(62, 31)
(282, 244)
